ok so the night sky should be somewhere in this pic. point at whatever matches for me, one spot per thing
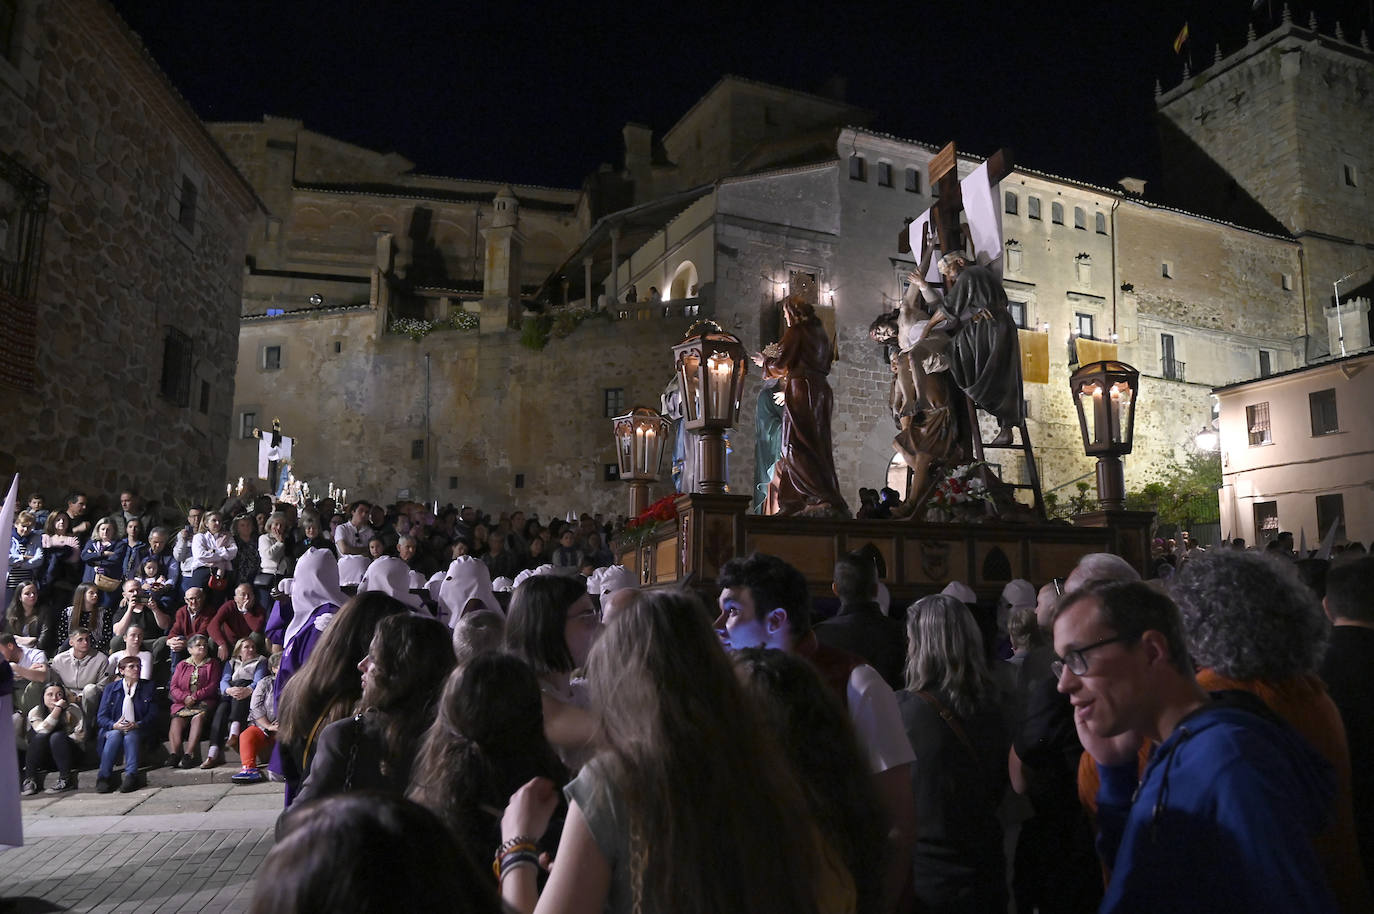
(537, 93)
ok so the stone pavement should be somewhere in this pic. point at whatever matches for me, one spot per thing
(190, 841)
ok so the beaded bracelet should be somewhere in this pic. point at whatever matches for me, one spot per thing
(513, 843)
(514, 860)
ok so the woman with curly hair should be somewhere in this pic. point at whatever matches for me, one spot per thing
(487, 741)
(688, 807)
(1253, 625)
(953, 718)
(406, 663)
(818, 737)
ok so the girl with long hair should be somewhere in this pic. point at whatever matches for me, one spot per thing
(85, 612)
(327, 688)
(63, 548)
(402, 674)
(487, 741)
(23, 619)
(952, 715)
(246, 559)
(816, 734)
(551, 625)
(689, 806)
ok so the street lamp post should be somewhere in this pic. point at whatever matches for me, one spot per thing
(711, 365)
(639, 438)
(1104, 394)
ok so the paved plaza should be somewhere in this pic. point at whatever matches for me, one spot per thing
(190, 841)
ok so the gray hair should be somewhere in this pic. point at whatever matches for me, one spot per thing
(945, 654)
(479, 632)
(1249, 616)
(1100, 566)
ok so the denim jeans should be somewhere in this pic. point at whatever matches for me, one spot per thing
(111, 742)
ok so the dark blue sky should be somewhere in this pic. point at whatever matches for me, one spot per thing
(537, 93)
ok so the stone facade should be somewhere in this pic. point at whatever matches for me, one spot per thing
(1276, 135)
(1083, 260)
(138, 290)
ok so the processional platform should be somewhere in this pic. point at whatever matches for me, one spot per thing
(921, 557)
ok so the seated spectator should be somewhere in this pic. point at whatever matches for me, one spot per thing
(191, 619)
(536, 553)
(81, 669)
(409, 658)
(167, 594)
(131, 551)
(385, 854)
(567, 555)
(241, 676)
(133, 647)
(260, 735)
(85, 612)
(23, 619)
(246, 560)
(27, 559)
(98, 555)
(376, 547)
(195, 692)
(62, 571)
(596, 551)
(487, 741)
(274, 560)
(127, 718)
(500, 561)
(239, 618)
(151, 580)
(137, 610)
(212, 555)
(40, 513)
(57, 730)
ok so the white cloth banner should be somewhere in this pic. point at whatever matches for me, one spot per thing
(267, 453)
(921, 229)
(980, 208)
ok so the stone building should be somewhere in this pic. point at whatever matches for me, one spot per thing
(122, 230)
(1276, 135)
(785, 190)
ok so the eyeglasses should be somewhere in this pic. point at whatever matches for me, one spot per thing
(1076, 661)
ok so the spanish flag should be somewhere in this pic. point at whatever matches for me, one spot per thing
(1182, 39)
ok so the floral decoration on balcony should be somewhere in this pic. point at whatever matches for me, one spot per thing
(417, 328)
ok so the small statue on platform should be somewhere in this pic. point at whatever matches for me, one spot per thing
(804, 480)
(767, 434)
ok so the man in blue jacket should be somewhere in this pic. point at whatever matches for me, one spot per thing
(1223, 817)
(127, 713)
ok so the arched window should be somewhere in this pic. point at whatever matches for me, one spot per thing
(1057, 213)
(1101, 220)
(684, 283)
(1011, 204)
(1080, 218)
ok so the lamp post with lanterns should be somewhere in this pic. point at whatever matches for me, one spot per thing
(711, 364)
(639, 438)
(1105, 395)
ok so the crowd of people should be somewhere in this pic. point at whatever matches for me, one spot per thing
(575, 743)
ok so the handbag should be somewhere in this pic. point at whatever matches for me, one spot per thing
(218, 580)
(105, 582)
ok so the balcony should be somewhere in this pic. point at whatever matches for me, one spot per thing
(690, 308)
(1172, 369)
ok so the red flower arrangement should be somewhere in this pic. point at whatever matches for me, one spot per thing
(641, 529)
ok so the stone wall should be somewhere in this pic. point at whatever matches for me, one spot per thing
(497, 410)
(98, 122)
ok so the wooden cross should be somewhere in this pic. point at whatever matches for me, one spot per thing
(944, 213)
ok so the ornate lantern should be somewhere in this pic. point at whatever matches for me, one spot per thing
(1105, 395)
(639, 438)
(711, 365)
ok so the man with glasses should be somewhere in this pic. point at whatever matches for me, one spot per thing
(1224, 814)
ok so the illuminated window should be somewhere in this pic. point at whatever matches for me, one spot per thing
(1257, 421)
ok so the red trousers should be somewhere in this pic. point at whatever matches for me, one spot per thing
(253, 742)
